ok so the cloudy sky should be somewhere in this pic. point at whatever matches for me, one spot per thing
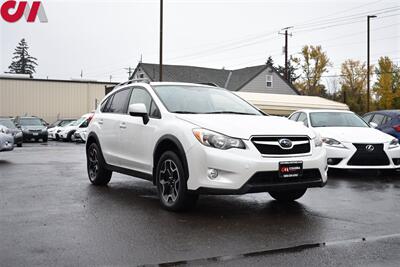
(101, 38)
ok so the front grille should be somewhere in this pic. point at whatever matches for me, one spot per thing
(365, 157)
(35, 131)
(272, 177)
(269, 145)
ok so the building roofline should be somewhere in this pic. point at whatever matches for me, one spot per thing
(250, 79)
(55, 80)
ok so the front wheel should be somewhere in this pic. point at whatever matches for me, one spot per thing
(171, 184)
(287, 196)
(96, 166)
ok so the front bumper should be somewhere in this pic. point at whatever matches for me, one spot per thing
(18, 138)
(6, 143)
(344, 155)
(243, 171)
(27, 136)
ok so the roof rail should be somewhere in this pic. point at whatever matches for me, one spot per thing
(142, 80)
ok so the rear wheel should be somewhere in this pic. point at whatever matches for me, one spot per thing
(70, 136)
(171, 184)
(287, 196)
(45, 139)
(96, 166)
(19, 145)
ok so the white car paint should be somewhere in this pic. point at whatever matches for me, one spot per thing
(350, 137)
(71, 128)
(126, 142)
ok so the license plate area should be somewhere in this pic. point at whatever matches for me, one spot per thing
(35, 134)
(290, 169)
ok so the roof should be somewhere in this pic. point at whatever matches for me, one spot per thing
(286, 104)
(232, 80)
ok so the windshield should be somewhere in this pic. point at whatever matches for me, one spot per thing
(78, 122)
(336, 119)
(30, 122)
(65, 123)
(7, 123)
(202, 100)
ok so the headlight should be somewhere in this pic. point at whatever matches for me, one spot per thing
(332, 142)
(318, 141)
(4, 130)
(216, 140)
(394, 143)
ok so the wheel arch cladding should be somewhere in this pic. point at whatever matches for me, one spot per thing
(92, 138)
(169, 143)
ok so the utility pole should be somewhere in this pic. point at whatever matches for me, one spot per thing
(161, 40)
(368, 64)
(130, 71)
(286, 33)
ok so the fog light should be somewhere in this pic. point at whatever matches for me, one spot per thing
(212, 173)
(334, 161)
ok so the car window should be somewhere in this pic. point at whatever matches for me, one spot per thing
(368, 117)
(303, 118)
(119, 103)
(387, 120)
(294, 117)
(378, 119)
(140, 95)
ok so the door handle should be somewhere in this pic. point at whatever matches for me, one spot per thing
(122, 125)
(100, 121)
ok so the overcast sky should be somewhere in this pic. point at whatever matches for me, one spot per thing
(104, 37)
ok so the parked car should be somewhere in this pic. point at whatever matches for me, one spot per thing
(6, 139)
(54, 132)
(350, 142)
(60, 123)
(387, 121)
(80, 135)
(15, 132)
(191, 139)
(67, 133)
(32, 128)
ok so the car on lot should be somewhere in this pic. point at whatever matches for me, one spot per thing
(67, 133)
(60, 123)
(54, 131)
(14, 131)
(387, 121)
(6, 139)
(350, 142)
(80, 135)
(191, 139)
(33, 128)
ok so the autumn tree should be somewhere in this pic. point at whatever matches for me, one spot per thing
(313, 64)
(353, 85)
(23, 63)
(387, 87)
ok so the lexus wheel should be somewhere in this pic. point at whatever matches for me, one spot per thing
(96, 167)
(288, 196)
(171, 184)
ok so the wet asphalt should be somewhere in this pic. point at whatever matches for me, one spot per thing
(50, 215)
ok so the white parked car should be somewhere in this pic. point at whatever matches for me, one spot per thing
(6, 139)
(54, 131)
(80, 135)
(191, 139)
(350, 142)
(67, 132)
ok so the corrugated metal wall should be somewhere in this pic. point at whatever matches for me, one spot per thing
(48, 99)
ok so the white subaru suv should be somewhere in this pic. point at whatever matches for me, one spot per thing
(191, 139)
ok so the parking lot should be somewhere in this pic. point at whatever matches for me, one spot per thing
(51, 215)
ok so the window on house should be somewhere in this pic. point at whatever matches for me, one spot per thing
(269, 81)
(141, 75)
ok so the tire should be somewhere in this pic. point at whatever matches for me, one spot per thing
(69, 136)
(171, 184)
(57, 137)
(96, 166)
(19, 145)
(287, 196)
(45, 139)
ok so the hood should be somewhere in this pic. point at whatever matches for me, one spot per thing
(354, 134)
(33, 127)
(68, 128)
(245, 126)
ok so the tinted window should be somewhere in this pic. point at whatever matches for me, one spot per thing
(378, 119)
(294, 117)
(119, 103)
(30, 122)
(107, 104)
(368, 117)
(7, 123)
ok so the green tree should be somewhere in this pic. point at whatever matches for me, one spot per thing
(23, 63)
(387, 87)
(313, 63)
(293, 67)
(353, 85)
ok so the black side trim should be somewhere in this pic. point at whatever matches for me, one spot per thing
(129, 172)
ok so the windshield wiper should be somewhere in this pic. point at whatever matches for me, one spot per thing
(229, 112)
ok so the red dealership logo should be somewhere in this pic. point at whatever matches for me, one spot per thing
(13, 11)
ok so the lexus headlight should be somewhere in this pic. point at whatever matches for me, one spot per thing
(216, 140)
(332, 142)
(394, 143)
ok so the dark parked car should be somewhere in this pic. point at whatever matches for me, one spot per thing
(60, 123)
(14, 131)
(388, 121)
(32, 128)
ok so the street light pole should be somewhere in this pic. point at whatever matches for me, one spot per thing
(161, 40)
(368, 62)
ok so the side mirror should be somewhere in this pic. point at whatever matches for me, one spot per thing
(373, 124)
(139, 110)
